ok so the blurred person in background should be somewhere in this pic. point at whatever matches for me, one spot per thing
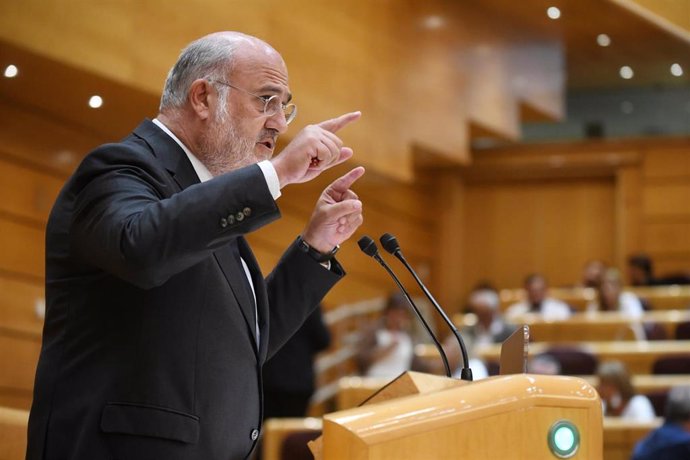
(485, 326)
(538, 301)
(618, 395)
(592, 273)
(640, 270)
(671, 441)
(611, 296)
(387, 349)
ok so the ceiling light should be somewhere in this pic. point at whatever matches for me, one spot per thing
(603, 40)
(626, 72)
(433, 22)
(95, 102)
(11, 71)
(553, 12)
(676, 70)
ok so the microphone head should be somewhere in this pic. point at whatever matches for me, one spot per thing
(389, 243)
(368, 246)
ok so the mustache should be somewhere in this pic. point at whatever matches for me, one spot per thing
(269, 133)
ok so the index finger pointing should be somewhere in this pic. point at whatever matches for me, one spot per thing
(334, 124)
(343, 183)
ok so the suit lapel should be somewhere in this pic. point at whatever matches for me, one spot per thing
(260, 292)
(235, 275)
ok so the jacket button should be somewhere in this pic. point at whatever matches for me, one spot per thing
(223, 222)
(239, 216)
(231, 219)
(247, 211)
(254, 435)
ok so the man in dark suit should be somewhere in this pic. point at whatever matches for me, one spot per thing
(158, 318)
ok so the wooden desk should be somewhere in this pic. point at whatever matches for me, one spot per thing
(621, 436)
(352, 391)
(277, 429)
(658, 297)
(638, 356)
(601, 326)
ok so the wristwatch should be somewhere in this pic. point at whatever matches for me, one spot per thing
(320, 257)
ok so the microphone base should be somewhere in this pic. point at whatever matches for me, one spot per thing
(466, 374)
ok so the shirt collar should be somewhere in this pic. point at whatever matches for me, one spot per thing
(201, 171)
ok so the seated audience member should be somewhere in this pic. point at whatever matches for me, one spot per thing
(489, 328)
(387, 349)
(592, 273)
(671, 441)
(618, 395)
(611, 296)
(640, 270)
(537, 301)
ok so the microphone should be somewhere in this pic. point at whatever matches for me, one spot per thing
(368, 247)
(390, 244)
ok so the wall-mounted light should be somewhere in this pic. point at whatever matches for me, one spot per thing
(95, 101)
(626, 72)
(433, 22)
(553, 12)
(11, 71)
(603, 40)
(676, 70)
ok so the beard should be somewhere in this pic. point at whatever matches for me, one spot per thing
(222, 147)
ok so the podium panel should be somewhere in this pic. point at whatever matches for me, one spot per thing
(500, 417)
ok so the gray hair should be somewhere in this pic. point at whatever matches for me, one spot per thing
(210, 56)
(678, 405)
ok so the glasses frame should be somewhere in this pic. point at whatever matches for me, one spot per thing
(265, 100)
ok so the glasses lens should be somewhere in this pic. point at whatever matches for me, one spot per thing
(290, 111)
(273, 106)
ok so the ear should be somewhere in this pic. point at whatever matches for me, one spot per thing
(200, 98)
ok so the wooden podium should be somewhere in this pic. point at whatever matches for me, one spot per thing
(504, 417)
(517, 416)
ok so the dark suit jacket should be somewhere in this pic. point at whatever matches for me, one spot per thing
(149, 347)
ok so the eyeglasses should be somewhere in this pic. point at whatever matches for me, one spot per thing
(272, 104)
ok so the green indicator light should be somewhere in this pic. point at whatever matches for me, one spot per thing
(564, 439)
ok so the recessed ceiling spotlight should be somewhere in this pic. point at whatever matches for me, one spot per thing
(676, 70)
(603, 40)
(553, 12)
(11, 71)
(95, 102)
(626, 72)
(433, 22)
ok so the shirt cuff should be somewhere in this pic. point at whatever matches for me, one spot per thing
(271, 178)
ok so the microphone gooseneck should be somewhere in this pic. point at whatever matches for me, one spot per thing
(368, 247)
(391, 245)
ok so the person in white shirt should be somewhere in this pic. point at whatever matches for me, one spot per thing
(387, 350)
(618, 395)
(537, 301)
(611, 296)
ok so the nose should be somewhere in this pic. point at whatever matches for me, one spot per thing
(278, 122)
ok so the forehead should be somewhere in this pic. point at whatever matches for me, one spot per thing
(261, 67)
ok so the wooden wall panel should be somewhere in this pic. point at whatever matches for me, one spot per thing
(19, 304)
(26, 192)
(666, 163)
(666, 200)
(22, 249)
(513, 229)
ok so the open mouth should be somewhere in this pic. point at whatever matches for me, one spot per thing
(268, 144)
